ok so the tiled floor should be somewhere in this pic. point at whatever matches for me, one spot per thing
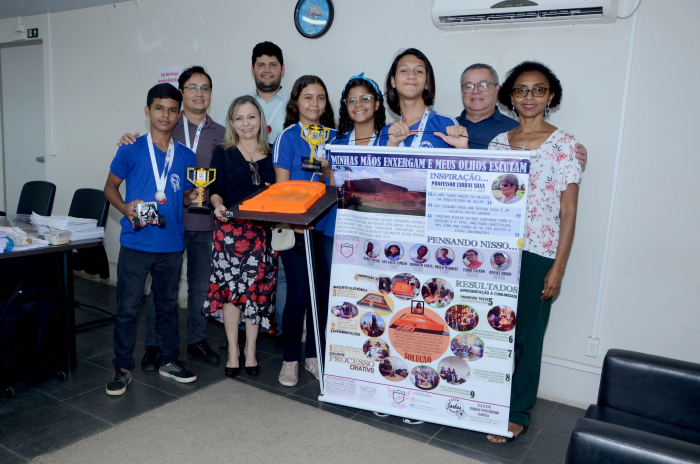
(51, 414)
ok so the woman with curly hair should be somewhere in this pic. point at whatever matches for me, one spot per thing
(531, 89)
(362, 113)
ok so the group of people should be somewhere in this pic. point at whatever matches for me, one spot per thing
(235, 276)
(448, 375)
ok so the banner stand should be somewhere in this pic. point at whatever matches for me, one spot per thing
(314, 305)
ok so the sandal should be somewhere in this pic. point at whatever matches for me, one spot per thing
(412, 422)
(513, 438)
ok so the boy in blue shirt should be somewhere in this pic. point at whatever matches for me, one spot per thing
(155, 169)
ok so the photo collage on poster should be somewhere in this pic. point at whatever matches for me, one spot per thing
(424, 286)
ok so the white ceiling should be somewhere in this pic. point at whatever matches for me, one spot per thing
(13, 8)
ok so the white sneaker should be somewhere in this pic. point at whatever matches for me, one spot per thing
(289, 375)
(379, 414)
(312, 366)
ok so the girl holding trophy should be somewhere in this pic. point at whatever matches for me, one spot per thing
(308, 124)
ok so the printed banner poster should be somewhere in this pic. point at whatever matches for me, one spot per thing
(424, 283)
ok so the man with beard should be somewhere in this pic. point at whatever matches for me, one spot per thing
(268, 71)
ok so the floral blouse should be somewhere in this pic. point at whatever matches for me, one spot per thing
(554, 168)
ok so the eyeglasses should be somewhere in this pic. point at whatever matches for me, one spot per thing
(193, 89)
(352, 101)
(521, 92)
(482, 86)
(506, 184)
(256, 175)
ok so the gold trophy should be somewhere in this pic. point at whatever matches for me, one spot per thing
(315, 136)
(201, 180)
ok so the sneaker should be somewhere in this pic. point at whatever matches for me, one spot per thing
(176, 370)
(120, 379)
(151, 360)
(379, 414)
(289, 375)
(312, 366)
(203, 350)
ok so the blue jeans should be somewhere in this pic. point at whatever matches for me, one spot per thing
(198, 249)
(132, 271)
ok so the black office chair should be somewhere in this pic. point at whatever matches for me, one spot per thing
(91, 204)
(37, 196)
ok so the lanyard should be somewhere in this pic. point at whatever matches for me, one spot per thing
(352, 139)
(187, 133)
(419, 136)
(160, 179)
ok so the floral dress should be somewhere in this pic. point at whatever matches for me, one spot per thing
(244, 267)
(551, 171)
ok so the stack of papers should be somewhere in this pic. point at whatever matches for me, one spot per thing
(81, 229)
(97, 232)
(64, 222)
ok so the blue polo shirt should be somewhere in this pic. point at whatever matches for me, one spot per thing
(437, 122)
(288, 151)
(482, 132)
(132, 163)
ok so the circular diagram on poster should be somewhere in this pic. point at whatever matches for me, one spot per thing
(453, 370)
(461, 318)
(393, 251)
(345, 310)
(420, 338)
(372, 325)
(468, 347)
(508, 189)
(501, 318)
(393, 369)
(437, 292)
(501, 261)
(376, 302)
(419, 253)
(376, 349)
(424, 377)
(405, 286)
(472, 259)
(372, 249)
(444, 256)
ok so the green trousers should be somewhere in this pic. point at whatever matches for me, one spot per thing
(530, 324)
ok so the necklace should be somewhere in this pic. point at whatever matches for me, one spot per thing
(528, 140)
(253, 166)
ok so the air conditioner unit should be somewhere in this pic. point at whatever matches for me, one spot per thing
(452, 15)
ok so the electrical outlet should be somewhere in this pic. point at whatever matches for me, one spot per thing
(592, 347)
(53, 151)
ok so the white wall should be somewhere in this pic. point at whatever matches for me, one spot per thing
(105, 59)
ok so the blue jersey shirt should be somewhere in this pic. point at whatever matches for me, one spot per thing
(436, 123)
(330, 219)
(288, 151)
(482, 132)
(132, 163)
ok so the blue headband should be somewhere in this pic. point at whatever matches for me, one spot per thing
(368, 80)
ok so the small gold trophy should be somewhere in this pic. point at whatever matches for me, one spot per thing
(201, 179)
(315, 136)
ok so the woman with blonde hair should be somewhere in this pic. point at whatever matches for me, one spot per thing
(244, 265)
